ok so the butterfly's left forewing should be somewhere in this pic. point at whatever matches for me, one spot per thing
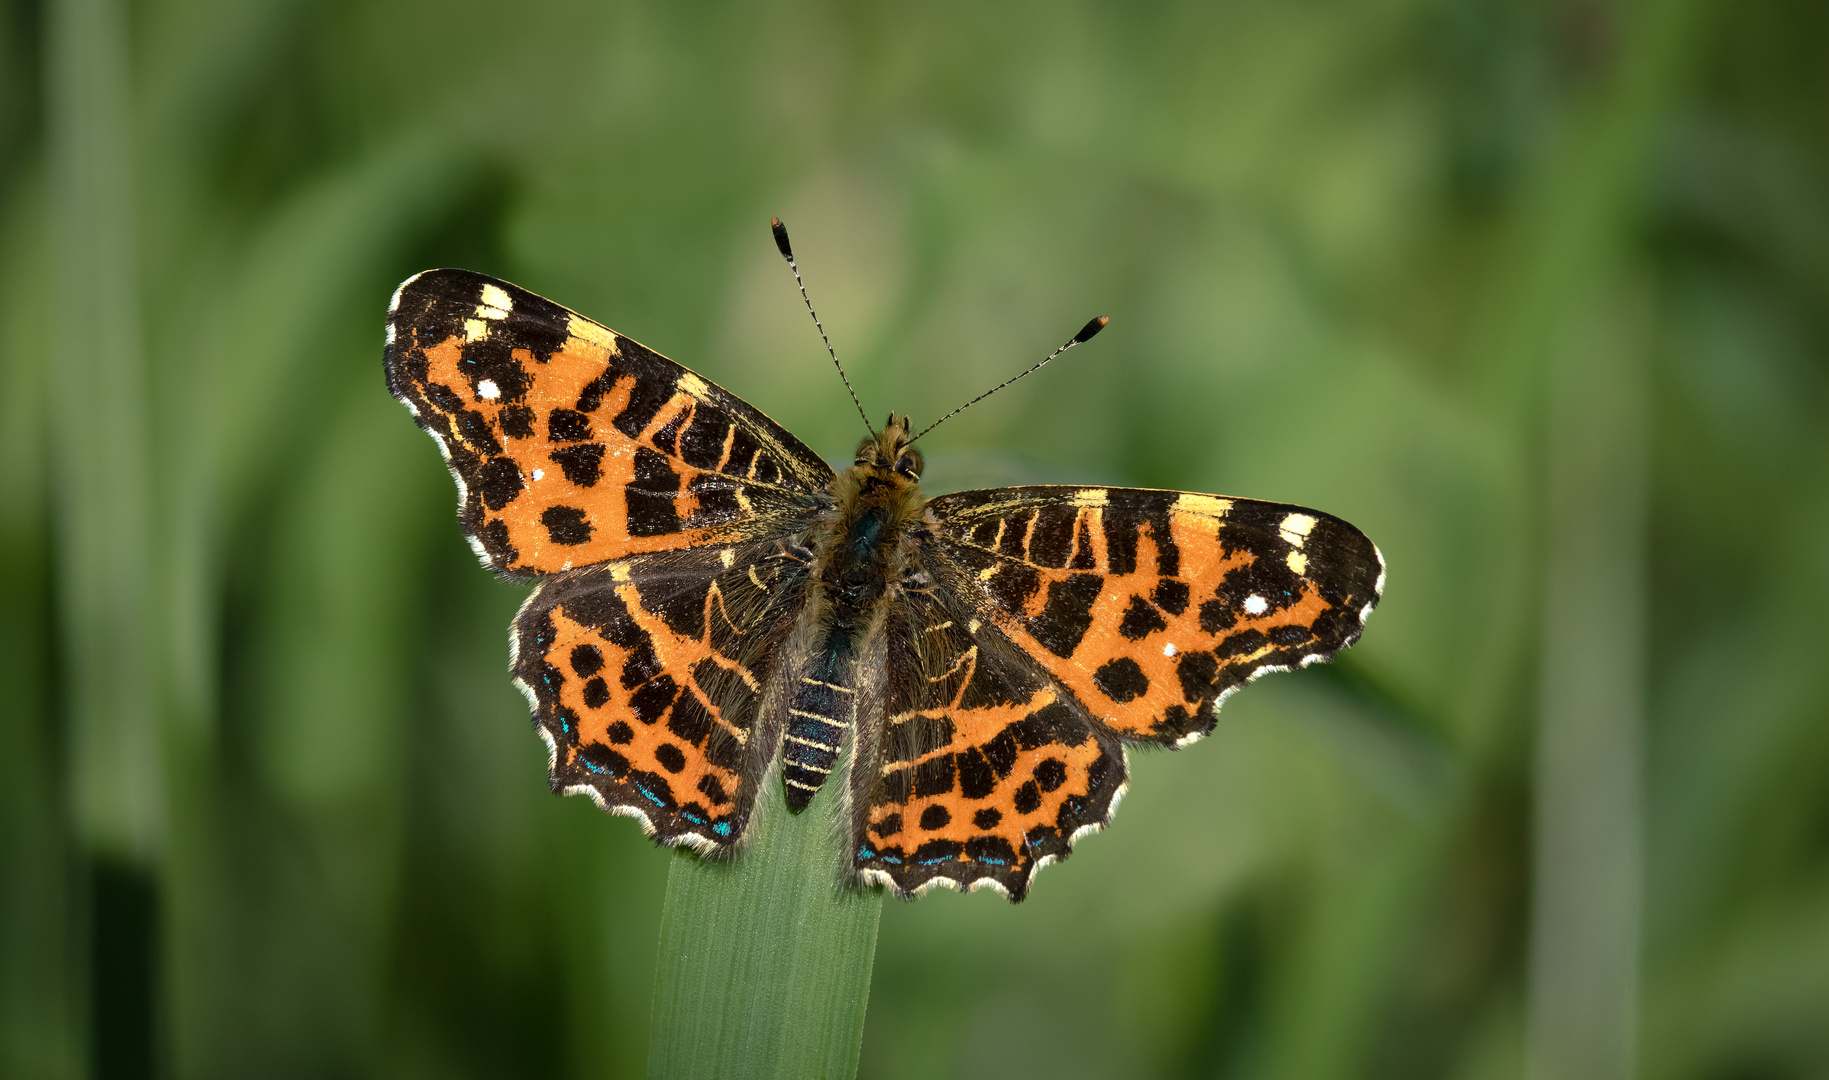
(647, 675)
(1152, 606)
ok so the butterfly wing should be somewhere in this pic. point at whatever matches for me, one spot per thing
(983, 770)
(646, 676)
(572, 444)
(1151, 607)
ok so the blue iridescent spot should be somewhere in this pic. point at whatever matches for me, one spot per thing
(864, 852)
(593, 766)
(930, 862)
(653, 798)
(896, 859)
(722, 828)
(993, 862)
(692, 817)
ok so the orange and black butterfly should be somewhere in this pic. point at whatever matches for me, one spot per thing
(714, 598)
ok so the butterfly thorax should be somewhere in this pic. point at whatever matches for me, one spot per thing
(859, 553)
(877, 502)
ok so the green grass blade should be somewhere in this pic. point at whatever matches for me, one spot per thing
(764, 960)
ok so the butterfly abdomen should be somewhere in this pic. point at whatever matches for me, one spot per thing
(822, 709)
(860, 553)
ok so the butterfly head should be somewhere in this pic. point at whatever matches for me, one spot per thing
(889, 449)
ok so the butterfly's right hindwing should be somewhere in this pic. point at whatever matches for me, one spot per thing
(647, 677)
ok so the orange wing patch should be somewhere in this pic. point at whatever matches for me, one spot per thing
(646, 676)
(1152, 606)
(573, 445)
(982, 772)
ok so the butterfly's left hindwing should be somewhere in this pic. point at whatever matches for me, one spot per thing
(646, 676)
(1152, 606)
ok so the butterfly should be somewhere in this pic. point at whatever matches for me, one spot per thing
(717, 608)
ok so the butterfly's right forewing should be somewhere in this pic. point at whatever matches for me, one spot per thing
(572, 444)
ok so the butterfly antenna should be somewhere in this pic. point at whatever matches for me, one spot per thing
(788, 254)
(1080, 338)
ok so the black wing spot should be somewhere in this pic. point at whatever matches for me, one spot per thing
(987, 818)
(582, 462)
(977, 778)
(934, 776)
(649, 497)
(670, 757)
(498, 482)
(1171, 595)
(1141, 620)
(516, 421)
(620, 733)
(568, 425)
(587, 660)
(1068, 613)
(652, 702)
(566, 525)
(596, 693)
(1121, 680)
(473, 428)
(690, 719)
(1050, 774)
(1216, 616)
(935, 817)
(1197, 671)
(1028, 798)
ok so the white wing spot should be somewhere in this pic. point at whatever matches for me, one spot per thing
(1168, 649)
(539, 474)
(600, 336)
(1256, 605)
(487, 390)
(1295, 529)
(496, 298)
(1209, 506)
(1298, 562)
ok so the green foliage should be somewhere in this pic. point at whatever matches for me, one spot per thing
(765, 960)
(1534, 293)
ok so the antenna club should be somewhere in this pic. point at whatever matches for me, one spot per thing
(1085, 333)
(780, 232)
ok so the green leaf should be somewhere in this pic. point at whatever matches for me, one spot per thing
(765, 957)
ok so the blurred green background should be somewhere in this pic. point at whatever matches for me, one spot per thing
(1534, 293)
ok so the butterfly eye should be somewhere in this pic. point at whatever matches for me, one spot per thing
(909, 465)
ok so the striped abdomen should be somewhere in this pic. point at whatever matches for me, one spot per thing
(823, 708)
